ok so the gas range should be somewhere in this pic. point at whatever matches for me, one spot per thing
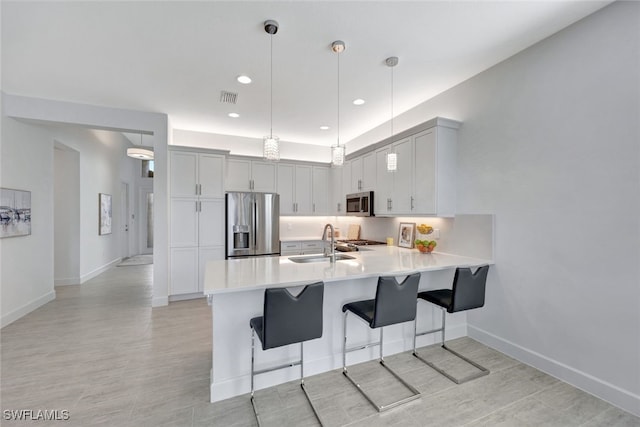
(353, 245)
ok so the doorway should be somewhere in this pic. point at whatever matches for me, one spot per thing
(125, 215)
(146, 220)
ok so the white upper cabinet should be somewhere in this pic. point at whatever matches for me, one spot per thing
(303, 189)
(250, 175)
(363, 173)
(337, 195)
(196, 174)
(320, 191)
(425, 180)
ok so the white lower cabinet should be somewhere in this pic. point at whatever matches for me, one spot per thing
(301, 247)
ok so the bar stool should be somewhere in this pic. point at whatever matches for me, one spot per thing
(467, 293)
(394, 303)
(287, 319)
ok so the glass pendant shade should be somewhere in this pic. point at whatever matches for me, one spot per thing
(271, 147)
(392, 162)
(337, 155)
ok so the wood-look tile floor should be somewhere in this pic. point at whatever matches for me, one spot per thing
(100, 352)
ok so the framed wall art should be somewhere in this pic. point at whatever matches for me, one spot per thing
(405, 234)
(15, 213)
(104, 214)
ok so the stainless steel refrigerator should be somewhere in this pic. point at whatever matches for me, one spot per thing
(253, 224)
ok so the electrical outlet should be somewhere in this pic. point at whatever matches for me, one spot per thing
(289, 226)
(436, 233)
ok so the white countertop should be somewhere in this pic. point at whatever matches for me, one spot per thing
(264, 272)
(299, 239)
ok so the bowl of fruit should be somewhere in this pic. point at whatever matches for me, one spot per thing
(426, 246)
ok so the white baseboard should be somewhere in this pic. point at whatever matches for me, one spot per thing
(27, 308)
(231, 387)
(611, 393)
(183, 297)
(159, 301)
(66, 281)
(85, 277)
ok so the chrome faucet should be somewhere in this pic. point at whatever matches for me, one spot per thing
(332, 252)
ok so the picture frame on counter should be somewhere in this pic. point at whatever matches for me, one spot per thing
(406, 234)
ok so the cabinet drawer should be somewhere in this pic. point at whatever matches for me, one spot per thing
(313, 245)
(289, 246)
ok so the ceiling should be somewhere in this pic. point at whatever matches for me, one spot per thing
(176, 57)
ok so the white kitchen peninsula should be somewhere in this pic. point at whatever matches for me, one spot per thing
(235, 289)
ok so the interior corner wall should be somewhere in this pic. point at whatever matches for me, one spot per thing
(26, 263)
(550, 145)
(66, 215)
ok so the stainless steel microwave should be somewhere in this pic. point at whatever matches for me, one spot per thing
(360, 204)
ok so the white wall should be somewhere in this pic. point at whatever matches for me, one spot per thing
(66, 217)
(26, 263)
(550, 144)
(15, 291)
(243, 146)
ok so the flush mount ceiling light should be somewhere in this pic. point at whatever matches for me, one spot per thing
(245, 80)
(324, 127)
(338, 151)
(392, 157)
(358, 101)
(234, 115)
(139, 152)
(271, 144)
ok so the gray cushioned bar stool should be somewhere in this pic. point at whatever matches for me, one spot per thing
(394, 303)
(467, 293)
(287, 319)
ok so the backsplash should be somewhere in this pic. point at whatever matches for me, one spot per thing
(470, 235)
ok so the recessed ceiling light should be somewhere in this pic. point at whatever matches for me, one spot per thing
(324, 127)
(234, 115)
(245, 80)
(358, 101)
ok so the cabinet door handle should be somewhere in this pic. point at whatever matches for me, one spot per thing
(338, 207)
(314, 207)
(196, 189)
(411, 202)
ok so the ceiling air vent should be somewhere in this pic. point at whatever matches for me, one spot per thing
(228, 97)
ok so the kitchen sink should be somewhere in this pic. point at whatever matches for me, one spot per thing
(318, 258)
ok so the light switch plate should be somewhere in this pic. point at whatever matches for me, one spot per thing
(436, 233)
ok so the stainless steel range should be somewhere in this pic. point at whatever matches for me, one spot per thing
(354, 245)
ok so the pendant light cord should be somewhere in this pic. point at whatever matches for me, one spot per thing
(338, 99)
(271, 85)
(391, 101)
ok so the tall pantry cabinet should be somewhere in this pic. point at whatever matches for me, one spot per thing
(196, 185)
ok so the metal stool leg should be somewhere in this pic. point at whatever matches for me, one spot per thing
(482, 370)
(380, 408)
(287, 365)
(253, 351)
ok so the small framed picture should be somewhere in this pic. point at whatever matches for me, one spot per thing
(406, 234)
(104, 214)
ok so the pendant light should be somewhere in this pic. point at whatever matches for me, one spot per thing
(392, 156)
(271, 143)
(338, 151)
(140, 153)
